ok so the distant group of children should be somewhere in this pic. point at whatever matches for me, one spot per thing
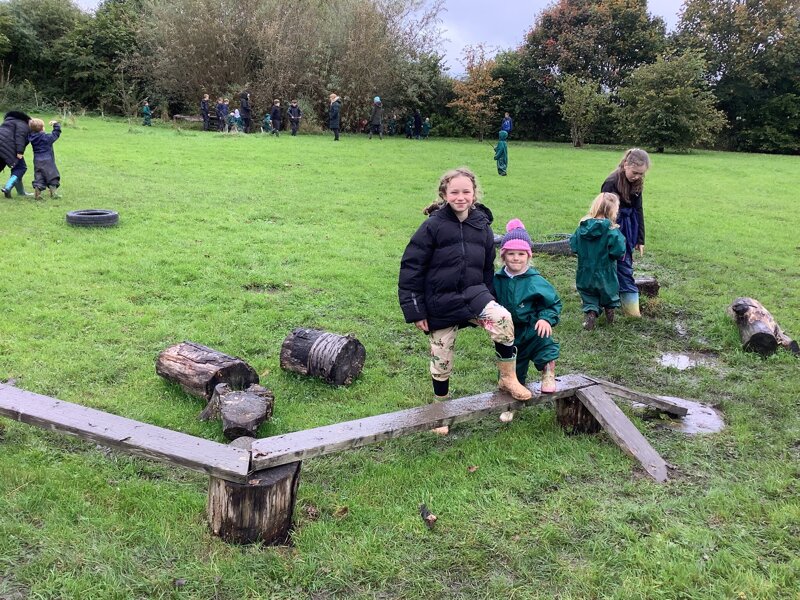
(447, 279)
(16, 132)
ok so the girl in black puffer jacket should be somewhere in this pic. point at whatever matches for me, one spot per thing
(446, 282)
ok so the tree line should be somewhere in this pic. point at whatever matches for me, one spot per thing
(599, 71)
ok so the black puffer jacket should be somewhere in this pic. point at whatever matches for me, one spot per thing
(446, 274)
(13, 136)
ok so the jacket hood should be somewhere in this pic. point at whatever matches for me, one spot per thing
(503, 136)
(531, 272)
(16, 114)
(592, 229)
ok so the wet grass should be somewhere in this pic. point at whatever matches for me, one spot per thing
(232, 241)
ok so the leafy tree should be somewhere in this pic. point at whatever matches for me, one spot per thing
(669, 104)
(603, 40)
(476, 94)
(529, 95)
(580, 106)
(753, 51)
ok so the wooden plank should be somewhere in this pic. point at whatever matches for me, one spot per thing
(622, 431)
(660, 402)
(300, 445)
(149, 441)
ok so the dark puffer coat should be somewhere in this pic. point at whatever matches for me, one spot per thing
(446, 273)
(13, 136)
(334, 118)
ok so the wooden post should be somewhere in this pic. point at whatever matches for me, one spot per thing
(758, 329)
(257, 511)
(648, 286)
(242, 412)
(199, 369)
(574, 417)
(335, 358)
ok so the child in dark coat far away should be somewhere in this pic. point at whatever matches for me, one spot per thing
(275, 115)
(446, 282)
(501, 153)
(599, 244)
(534, 305)
(45, 172)
(295, 114)
(14, 132)
(147, 114)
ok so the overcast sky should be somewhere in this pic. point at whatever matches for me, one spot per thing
(478, 21)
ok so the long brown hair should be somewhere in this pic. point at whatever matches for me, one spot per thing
(635, 157)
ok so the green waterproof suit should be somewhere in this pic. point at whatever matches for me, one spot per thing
(501, 153)
(598, 247)
(529, 297)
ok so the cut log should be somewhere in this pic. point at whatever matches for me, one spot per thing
(758, 329)
(242, 412)
(648, 286)
(199, 369)
(622, 431)
(337, 359)
(574, 417)
(257, 511)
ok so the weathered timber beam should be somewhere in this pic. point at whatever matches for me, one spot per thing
(300, 445)
(664, 404)
(137, 438)
(622, 431)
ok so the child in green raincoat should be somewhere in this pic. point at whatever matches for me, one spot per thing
(501, 153)
(598, 243)
(534, 305)
(146, 114)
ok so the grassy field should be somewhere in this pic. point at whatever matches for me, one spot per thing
(232, 241)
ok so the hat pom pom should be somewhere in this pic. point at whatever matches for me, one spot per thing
(514, 224)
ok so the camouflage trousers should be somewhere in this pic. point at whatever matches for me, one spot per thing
(494, 318)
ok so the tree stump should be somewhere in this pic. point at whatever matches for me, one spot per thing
(199, 369)
(574, 417)
(242, 412)
(648, 286)
(758, 329)
(257, 511)
(335, 358)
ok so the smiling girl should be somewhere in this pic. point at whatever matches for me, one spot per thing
(446, 282)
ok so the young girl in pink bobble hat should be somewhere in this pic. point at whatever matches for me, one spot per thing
(534, 306)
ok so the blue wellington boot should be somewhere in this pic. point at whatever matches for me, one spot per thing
(9, 184)
(630, 304)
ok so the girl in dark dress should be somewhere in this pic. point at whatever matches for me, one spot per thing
(626, 182)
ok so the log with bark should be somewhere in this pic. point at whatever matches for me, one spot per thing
(648, 286)
(758, 329)
(337, 359)
(257, 511)
(574, 417)
(242, 412)
(198, 369)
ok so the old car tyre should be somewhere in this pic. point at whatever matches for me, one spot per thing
(93, 217)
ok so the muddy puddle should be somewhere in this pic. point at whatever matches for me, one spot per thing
(686, 360)
(700, 419)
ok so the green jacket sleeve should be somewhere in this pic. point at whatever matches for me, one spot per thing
(549, 303)
(616, 244)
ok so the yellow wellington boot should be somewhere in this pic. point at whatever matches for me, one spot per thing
(549, 378)
(508, 380)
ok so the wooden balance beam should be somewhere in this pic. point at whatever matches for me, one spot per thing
(141, 439)
(253, 484)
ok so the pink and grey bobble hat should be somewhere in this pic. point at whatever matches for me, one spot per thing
(516, 238)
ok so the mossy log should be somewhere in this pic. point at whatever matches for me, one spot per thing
(337, 359)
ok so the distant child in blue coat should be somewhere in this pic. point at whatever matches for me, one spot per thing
(45, 172)
(599, 244)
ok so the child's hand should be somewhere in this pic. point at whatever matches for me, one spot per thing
(543, 328)
(422, 325)
(640, 248)
(53, 122)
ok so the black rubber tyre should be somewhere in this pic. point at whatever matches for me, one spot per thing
(93, 217)
(555, 243)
